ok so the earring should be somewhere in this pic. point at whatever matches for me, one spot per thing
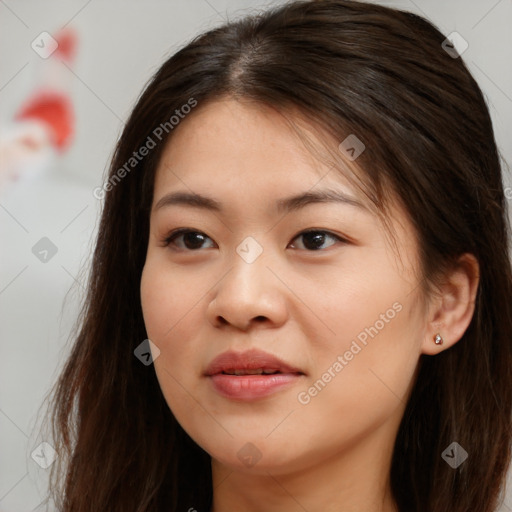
(438, 340)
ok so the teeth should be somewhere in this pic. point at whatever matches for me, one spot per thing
(259, 371)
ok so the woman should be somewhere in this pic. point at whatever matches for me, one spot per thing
(314, 192)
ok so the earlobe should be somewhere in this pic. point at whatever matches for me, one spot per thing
(454, 307)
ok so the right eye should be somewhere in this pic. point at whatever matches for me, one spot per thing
(192, 240)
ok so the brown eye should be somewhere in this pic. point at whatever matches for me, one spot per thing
(191, 240)
(315, 239)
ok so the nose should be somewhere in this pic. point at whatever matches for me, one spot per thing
(249, 294)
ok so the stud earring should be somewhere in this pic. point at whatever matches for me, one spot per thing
(438, 340)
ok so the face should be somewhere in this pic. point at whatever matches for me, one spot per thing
(317, 285)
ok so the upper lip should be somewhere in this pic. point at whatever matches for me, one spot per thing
(248, 360)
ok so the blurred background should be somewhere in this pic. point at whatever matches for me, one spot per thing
(70, 73)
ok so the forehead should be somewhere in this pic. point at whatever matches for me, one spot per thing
(235, 143)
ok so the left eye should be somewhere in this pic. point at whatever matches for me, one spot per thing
(314, 239)
(193, 240)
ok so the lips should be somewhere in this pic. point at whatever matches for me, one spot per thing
(251, 375)
(250, 362)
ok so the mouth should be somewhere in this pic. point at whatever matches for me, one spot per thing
(257, 371)
(250, 375)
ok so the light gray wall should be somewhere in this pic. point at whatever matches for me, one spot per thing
(121, 44)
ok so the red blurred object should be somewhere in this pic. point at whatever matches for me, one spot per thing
(51, 103)
(67, 40)
(56, 110)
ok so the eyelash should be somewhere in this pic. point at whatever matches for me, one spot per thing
(181, 231)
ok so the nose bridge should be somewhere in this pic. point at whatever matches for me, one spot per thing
(249, 267)
(249, 289)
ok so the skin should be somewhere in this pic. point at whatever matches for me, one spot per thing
(305, 306)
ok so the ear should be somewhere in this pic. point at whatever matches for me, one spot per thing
(451, 312)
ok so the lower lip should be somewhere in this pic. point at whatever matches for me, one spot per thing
(251, 387)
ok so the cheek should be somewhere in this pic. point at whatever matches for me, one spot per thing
(167, 307)
(366, 364)
(165, 299)
(373, 359)
(370, 304)
(363, 390)
(171, 304)
(153, 300)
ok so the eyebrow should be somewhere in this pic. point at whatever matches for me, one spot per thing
(287, 204)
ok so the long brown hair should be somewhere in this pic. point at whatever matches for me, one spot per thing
(351, 67)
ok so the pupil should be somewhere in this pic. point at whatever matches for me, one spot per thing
(316, 237)
(188, 239)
